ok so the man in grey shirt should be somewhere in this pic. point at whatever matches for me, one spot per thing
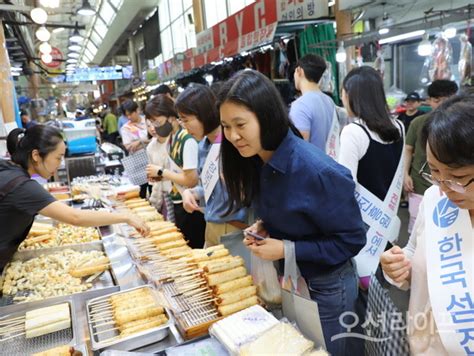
(313, 112)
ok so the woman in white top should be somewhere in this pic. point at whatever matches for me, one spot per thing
(438, 262)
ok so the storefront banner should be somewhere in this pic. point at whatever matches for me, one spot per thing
(204, 41)
(298, 10)
(333, 141)
(450, 271)
(384, 224)
(257, 38)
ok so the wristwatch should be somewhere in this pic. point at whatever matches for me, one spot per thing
(160, 172)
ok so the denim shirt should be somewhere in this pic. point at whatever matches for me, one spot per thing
(217, 204)
(306, 197)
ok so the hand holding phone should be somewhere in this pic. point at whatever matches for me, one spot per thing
(255, 235)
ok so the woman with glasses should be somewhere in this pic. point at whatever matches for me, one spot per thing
(437, 263)
(302, 196)
(182, 149)
(197, 109)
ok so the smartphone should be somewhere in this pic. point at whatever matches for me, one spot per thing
(254, 235)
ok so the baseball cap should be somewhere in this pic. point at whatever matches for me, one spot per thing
(414, 96)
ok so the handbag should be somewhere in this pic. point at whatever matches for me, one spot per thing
(135, 166)
(385, 335)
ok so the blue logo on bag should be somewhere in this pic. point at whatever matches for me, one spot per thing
(445, 213)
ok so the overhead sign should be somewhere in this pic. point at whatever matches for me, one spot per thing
(97, 73)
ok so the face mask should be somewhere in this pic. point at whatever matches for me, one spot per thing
(164, 130)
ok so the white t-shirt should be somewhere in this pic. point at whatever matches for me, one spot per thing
(355, 143)
(131, 132)
(190, 155)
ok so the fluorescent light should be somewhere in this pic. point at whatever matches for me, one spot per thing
(403, 36)
(16, 74)
(16, 68)
(384, 31)
(58, 29)
(75, 47)
(71, 60)
(39, 15)
(73, 55)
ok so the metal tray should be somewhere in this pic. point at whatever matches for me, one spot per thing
(104, 280)
(131, 342)
(21, 345)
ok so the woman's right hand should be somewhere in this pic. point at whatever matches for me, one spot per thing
(138, 224)
(408, 184)
(189, 202)
(396, 265)
(256, 228)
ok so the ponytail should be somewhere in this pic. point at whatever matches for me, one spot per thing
(21, 143)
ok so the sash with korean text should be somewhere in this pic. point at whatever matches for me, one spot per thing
(210, 170)
(450, 268)
(332, 142)
(383, 222)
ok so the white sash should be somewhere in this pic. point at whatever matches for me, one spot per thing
(450, 271)
(176, 169)
(210, 171)
(384, 224)
(332, 142)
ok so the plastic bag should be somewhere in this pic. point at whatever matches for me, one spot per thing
(265, 278)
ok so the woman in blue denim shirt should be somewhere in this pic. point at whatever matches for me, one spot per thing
(299, 193)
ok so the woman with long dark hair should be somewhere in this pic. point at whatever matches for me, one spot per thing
(39, 150)
(299, 193)
(197, 110)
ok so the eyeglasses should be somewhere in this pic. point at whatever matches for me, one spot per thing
(451, 184)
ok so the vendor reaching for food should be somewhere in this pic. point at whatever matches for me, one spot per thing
(39, 150)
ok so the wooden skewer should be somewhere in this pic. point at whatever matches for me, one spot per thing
(105, 318)
(103, 324)
(98, 302)
(8, 329)
(105, 331)
(102, 312)
(12, 330)
(100, 307)
(209, 301)
(16, 322)
(11, 337)
(111, 339)
(8, 320)
(198, 295)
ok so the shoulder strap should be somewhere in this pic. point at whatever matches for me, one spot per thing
(365, 130)
(7, 188)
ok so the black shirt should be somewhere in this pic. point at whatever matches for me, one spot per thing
(18, 209)
(407, 119)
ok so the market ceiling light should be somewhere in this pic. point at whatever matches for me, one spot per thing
(43, 34)
(86, 9)
(58, 29)
(403, 36)
(39, 15)
(74, 47)
(45, 48)
(46, 58)
(341, 54)
(450, 32)
(424, 48)
(76, 36)
(209, 78)
(73, 55)
(71, 60)
(384, 31)
(50, 3)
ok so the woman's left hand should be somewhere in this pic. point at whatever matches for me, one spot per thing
(152, 171)
(268, 249)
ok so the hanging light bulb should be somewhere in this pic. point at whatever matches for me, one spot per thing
(46, 58)
(43, 34)
(424, 48)
(86, 9)
(58, 29)
(76, 36)
(450, 32)
(39, 15)
(74, 47)
(45, 48)
(73, 55)
(341, 54)
(71, 60)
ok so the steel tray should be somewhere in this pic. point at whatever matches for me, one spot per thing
(131, 342)
(21, 345)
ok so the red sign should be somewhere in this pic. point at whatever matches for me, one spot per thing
(57, 58)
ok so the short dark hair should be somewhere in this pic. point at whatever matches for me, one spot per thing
(367, 101)
(313, 67)
(129, 106)
(23, 113)
(21, 143)
(160, 105)
(450, 131)
(163, 89)
(258, 94)
(442, 88)
(199, 100)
